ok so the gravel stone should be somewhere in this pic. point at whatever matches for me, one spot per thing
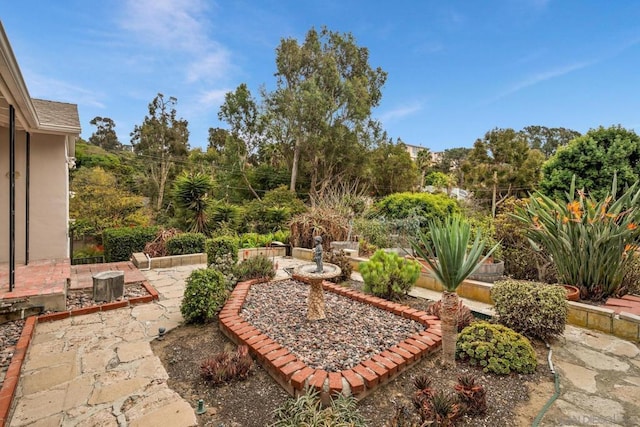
(351, 333)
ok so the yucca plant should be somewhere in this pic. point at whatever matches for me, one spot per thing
(472, 395)
(191, 194)
(452, 260)
(590, 241)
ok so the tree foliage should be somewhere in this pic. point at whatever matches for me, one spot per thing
(594, 159)
(162, 139)
(322, 104)
(98, 203)
(391, 169)
(500, 165)
(105, 135)
(548, 140)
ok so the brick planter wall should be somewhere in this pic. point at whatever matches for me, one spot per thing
(294, 376)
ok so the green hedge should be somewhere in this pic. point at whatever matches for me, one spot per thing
(217, 247)
(121, 243)
(186, 243)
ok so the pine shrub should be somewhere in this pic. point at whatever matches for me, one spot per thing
(496, 348)
(204, 295)
(388, 275)
(533, 309)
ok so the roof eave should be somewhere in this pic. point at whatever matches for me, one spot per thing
(16, 89)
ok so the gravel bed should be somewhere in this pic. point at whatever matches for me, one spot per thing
(351, 332)
(84, 297)
(9, 335)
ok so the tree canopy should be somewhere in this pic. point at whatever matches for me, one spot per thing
(162, 139)
(594, 159)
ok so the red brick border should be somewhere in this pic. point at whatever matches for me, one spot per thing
(294, 376)
(13, 373)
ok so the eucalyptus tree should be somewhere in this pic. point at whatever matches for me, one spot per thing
(247, 131)
(322, 103)
(163, 140)
(105, 135)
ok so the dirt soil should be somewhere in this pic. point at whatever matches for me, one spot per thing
(512, 400)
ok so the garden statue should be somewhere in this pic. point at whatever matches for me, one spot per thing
(315, 275)
(317, 254)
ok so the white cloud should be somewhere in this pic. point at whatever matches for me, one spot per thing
(213, 65)
(400, 112)
(212, 98)
(183, 29)
(539, 78)
(58, 90)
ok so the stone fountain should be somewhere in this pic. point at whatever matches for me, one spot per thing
(315, 274)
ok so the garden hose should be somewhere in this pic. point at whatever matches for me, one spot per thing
(556, 379)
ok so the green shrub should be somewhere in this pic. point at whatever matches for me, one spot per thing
(217, 247)
(424, 205)
(121, 243)
(256, 267)
(186, 243)
(534, 309)
(307, 410)
(340, 259)
(204, 295)
(388, 275)
(496, 348)
(631, 280)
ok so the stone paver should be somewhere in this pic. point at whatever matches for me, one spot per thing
(99, 370)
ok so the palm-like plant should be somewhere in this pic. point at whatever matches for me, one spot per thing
(452, 260)
(191, 194)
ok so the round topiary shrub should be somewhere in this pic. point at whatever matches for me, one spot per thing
(204, 295)
(533, 309)
(496, 349)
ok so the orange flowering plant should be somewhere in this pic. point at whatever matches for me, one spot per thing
(590, 241)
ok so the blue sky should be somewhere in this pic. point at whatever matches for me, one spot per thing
(456, 68)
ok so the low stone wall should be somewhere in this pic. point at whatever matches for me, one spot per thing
(268, 252)
(141, 261)
(623, 325)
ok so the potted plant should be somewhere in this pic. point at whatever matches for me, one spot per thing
(451, 260)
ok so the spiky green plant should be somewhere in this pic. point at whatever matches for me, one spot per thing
(191, 195)
(452, 259)
(589, 240)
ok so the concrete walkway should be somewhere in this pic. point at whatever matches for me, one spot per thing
(99, 370)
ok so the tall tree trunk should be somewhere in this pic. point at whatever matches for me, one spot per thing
(294, 166)
(449, 319)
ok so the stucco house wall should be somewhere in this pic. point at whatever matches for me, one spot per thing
(53, 128)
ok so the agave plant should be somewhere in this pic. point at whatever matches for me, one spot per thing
(471, 394)
(452, 260)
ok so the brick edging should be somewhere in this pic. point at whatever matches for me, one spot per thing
(59, 315)
(295, 376)
(13, 372)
